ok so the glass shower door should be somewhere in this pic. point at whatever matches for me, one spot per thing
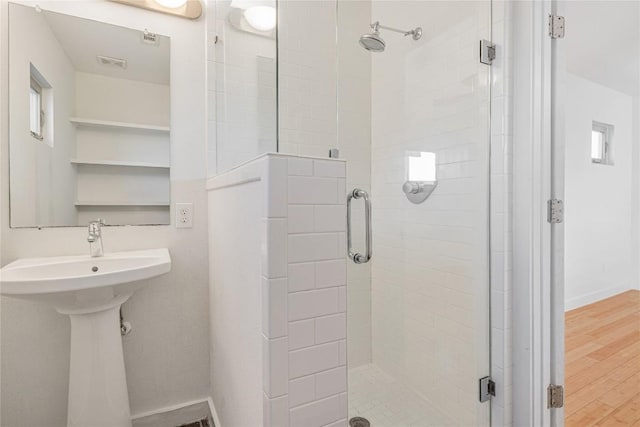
(415, 110)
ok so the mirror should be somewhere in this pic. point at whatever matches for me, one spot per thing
(89, 121)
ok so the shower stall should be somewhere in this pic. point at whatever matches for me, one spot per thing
(413, 106)
(401, 91)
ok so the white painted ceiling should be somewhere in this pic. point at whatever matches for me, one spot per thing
(84, 39)
(603, 42)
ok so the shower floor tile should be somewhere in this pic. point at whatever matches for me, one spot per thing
(385, 402)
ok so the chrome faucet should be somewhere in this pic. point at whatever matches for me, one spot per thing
(95, 237)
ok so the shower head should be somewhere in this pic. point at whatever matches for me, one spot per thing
(374, 43)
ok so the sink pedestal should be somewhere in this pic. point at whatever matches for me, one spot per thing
(97, 382)
(90, 291)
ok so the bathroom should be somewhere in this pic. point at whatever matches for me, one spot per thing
(247, 213)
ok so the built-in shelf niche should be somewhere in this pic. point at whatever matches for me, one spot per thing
(118, 125)
(120, 163)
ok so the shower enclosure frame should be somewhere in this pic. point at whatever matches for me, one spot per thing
(535, 240)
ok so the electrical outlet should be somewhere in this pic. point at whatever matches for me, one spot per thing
(184, 215)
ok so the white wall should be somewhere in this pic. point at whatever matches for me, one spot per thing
(40, 169)
(167, 355)
(599, 242)
(121, 100)
(235, 275)
(278, 294)
(430, 272)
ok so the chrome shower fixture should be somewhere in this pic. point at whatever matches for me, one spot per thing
(374, 43)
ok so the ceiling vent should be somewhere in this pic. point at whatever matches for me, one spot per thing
(115, 62)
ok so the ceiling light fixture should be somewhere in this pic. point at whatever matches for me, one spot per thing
(171, 4)
(262, 18)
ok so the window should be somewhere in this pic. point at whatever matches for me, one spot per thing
(601, 143)
(36, 111)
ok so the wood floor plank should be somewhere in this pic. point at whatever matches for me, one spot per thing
(602, 363)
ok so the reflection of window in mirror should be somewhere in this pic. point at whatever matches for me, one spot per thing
(36, 114)
(38, 91)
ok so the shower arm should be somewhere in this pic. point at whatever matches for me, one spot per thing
(377, 25)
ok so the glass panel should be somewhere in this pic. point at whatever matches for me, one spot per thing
(418, 322)
(35, 106)
(245, 91)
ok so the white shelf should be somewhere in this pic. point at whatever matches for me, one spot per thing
(117, 125)
(107, 203)
(120, 163)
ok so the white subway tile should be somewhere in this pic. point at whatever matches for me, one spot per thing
(319, 413)
(342, 245)
(274, 372)
(301, 334)
(274, 307)
(302, 390)
(342, 298)
(342, 191)
(314, 359)
(308, 304)
(275, 411)
(302, 277)
(331, 382)
(313, 247)
(331, 273)
(330, 218)
(301, 219)
(274, 248)
(312, 190)
(340, 423)
(343, 352)
(300, 166)
(329, 168)
(331, 328)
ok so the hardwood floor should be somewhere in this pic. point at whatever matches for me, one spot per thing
(602, 363)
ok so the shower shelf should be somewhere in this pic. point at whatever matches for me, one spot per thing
(120, 163)
(117, 125)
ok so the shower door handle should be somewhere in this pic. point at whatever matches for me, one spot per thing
(356, 257)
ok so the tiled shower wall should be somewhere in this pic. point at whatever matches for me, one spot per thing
(302, 282)
(353, 135)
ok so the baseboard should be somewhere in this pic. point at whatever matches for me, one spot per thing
(174, 415)
(214, 414)
(587, 299)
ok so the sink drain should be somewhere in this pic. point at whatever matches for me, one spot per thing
(94, 269)
(359, 422)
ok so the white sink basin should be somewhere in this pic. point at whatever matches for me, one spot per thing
(71, 283)
(91, 291)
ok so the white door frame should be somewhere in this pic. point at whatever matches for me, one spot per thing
(535, 167)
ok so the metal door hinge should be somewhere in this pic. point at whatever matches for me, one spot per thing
(555, 211)
(555, 396)
(556, 27)
(487, 389)
(487, 52)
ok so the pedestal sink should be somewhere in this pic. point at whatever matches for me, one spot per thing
(90, 291)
